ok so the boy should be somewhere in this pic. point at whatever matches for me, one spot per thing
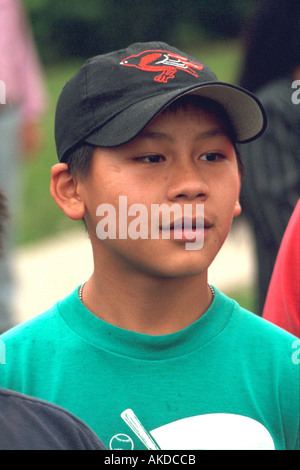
(146, 352)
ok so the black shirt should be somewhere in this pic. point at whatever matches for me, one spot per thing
(27, 423)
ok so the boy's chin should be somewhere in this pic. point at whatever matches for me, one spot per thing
(177, 270)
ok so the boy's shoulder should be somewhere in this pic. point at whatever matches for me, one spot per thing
(32, 326)
(43, 324)
(253, 329)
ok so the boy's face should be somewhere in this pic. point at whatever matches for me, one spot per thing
(181, 157)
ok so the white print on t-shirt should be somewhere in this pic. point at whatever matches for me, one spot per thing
(214, 431)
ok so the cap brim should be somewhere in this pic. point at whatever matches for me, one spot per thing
(245, 112)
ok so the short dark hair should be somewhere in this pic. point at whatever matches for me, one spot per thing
(206, 104)
(79, 159)
(210, 107)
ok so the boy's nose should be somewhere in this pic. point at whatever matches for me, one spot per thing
(188, 183)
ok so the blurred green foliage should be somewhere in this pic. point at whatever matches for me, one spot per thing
(76, 28)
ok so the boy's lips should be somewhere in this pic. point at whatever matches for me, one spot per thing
(186, 224)
(186, 230)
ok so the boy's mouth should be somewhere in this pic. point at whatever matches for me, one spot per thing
(186, 224)
(185, 229)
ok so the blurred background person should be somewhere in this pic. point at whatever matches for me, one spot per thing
(282, 305)
(20, 133)
(3, 219)
(271, 185)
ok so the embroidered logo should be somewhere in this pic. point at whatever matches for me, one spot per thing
(163, 63)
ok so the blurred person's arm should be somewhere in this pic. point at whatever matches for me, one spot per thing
(21, 71)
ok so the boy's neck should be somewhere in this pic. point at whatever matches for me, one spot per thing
(154, 306)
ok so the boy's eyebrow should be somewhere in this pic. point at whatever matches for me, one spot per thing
(214, 132)
(154, 135)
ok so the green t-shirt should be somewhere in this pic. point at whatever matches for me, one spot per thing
(228, 381)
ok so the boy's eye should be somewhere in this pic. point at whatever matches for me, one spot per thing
(150, 159)
(211, 157)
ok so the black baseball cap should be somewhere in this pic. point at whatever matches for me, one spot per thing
(115, 95)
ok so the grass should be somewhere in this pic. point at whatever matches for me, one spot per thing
(39, 216)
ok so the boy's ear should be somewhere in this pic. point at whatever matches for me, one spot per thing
(237, 209)
(63, 189)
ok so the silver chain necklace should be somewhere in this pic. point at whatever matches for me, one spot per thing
(82, 285)
(212, 290)
(80, 291)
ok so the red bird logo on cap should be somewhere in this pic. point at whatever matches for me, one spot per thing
(165, 63)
